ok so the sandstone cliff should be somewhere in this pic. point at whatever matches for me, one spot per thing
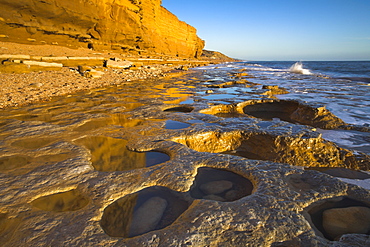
(139, 27)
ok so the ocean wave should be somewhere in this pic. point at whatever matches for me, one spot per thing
(267, 69)
(253, 64)
(298, 69)
(357, 79)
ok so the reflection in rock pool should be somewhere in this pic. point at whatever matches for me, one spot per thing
(220, 185)
(174, 125)
(111, 154)
(339, 216)
(65, 201)
(147, 210)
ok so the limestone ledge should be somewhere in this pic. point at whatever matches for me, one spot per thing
(233, 174)
(78, 205)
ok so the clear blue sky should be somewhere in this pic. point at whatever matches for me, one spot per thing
(280, 29)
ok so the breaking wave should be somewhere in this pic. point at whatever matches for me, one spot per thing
(298, 69)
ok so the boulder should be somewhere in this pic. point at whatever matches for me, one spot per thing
(42, 64)
(93, 73)
(339, 221)
(82, 69)
(48, 59)
(10, 56)
(147, 216)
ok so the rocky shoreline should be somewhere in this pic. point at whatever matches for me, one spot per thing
(37, 73)
(158, 163)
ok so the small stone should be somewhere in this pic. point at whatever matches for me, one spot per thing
(339, 221)
(36, 84)
(232, 195)
(93, 74)
(270, 87)
(43, 64)
(214, 198)
(82, 69)
(10, 56)
(147, 217)
(216, 187)
(209, 91)
(241, 74)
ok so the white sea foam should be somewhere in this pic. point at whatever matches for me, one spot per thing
(264, 69)
(362, 183)
(298, 69)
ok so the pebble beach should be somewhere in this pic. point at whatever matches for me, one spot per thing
(42, 84)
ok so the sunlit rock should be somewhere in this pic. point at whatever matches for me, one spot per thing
(110, 154)
(300, 150)
(118, 64)
(121, 26)
(105, 168)
(286, 110)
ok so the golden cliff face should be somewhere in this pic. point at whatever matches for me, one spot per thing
(141, 27)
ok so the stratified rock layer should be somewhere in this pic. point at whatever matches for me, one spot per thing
(127, 25)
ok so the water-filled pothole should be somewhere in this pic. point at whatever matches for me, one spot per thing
(337, 217)
(293, 112)
(270, 110)
(60, 202)
(114, 119)
(298, 151)
(150, 209)
(8, 225)
(21, 164)
(33, 143)
(184, 109)
(154, 158)
(220, 185)
(110, 154)
(9, 163)
(174, 125)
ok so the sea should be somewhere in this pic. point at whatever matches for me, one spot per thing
(343, 87)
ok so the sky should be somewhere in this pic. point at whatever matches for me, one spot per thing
(285, 30)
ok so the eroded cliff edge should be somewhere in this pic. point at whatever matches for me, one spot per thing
(132, 26)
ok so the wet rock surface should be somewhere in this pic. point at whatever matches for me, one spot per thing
(229, 179)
